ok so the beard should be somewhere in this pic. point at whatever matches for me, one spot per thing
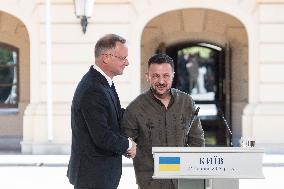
(157, 93)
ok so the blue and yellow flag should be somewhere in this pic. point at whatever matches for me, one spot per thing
(169, 163)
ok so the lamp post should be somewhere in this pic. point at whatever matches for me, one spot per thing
(84, 10)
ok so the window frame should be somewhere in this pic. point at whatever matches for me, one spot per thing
(17, 66)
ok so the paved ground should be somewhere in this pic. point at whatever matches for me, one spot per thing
(48, 172)
(273, 170)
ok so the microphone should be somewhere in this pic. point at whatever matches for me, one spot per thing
(221, 114)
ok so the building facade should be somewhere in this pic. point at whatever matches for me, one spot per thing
(249, 31)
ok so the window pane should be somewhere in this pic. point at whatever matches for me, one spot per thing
(196, 72)
(8, 75)
(8, 94)
(6, 57)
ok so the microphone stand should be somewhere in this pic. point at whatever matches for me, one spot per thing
(193, 118)
(195, 114)
(220, 113)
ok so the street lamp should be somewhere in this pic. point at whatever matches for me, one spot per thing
(84, 10)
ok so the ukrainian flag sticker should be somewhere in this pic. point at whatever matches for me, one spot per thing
(169, 163)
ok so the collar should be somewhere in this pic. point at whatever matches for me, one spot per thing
(151, 93)
(103, 73)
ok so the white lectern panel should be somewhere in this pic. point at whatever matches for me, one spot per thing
(210, 162)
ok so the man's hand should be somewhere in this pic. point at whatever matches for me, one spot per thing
(131, 153)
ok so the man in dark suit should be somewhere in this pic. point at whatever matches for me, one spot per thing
(97, 145)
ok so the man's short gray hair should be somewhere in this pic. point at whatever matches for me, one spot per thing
(107, 42)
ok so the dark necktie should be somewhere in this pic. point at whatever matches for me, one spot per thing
(114, 92)
(117, 104)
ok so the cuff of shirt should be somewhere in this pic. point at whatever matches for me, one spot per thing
(130, 144)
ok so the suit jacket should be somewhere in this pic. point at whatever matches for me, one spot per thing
(97, 145)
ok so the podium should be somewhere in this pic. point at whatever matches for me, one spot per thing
(207, 167)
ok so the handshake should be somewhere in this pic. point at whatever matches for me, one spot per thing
(131, 153)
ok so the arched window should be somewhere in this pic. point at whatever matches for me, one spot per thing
(9, 84)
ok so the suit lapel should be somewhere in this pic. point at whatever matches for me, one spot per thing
(100, 78)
